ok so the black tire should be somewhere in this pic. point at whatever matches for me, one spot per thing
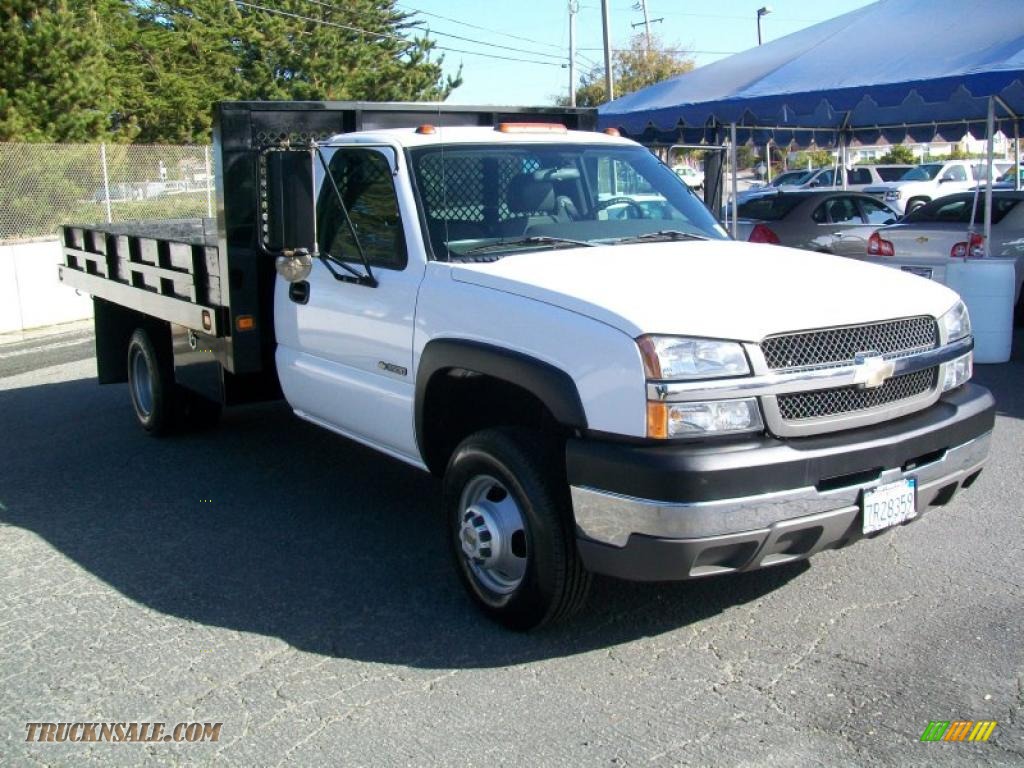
(554, 584)
(151, 385)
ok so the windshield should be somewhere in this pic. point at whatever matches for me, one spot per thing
(791, 177)
(1008, 176)
(482, 202)
(922, 172)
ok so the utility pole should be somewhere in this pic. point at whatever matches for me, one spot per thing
(642, 6)
(609, 86)
(574, 8)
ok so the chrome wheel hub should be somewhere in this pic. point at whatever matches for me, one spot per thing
(492, 534)
(142, 384)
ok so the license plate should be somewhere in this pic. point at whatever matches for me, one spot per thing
(919, 271)
(889, 505)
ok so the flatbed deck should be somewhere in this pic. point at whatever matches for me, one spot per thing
(168, 268)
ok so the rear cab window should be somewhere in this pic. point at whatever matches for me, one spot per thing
(957, 210)
(770, 208)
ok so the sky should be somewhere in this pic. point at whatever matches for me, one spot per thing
(536, 34)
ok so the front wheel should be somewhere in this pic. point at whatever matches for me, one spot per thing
(510, 528)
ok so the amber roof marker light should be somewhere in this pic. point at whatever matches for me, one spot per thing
(531, 128)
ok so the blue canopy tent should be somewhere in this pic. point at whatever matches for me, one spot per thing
(922, 69)
(897, 68)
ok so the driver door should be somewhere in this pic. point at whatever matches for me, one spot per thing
(344, 352)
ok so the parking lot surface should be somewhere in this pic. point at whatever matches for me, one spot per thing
(297, 588)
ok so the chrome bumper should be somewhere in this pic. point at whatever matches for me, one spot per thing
(611, 518)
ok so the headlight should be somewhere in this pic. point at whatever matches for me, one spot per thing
(712, 417)
(956, 323)
(677, 357)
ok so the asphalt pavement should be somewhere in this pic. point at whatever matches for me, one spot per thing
(297, 588)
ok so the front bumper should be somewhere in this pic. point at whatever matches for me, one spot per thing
(680, 511)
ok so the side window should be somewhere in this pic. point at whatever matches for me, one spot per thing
(858, 176)
(842, 210)
(363, 177)
(820, 215)
(876, 213)
(956, 173)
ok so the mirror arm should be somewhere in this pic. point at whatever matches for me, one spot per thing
(361, 279)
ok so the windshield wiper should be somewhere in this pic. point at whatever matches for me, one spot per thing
(532, 240)
(661, 234)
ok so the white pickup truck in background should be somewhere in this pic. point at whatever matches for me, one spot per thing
(635, 395)
(928, 181)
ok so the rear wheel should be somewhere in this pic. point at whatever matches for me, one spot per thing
(150, 384)
(510, 528)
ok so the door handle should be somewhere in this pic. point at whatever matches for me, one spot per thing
(837, 234)
(299, 292)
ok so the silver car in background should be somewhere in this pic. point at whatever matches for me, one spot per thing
(833, 221)
(928, 238)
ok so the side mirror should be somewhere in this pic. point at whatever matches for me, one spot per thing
(294, 266)
(287, 206)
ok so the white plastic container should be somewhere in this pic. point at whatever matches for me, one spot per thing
(987, 286)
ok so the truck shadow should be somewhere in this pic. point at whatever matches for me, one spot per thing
(270, 525)
(1007, 380)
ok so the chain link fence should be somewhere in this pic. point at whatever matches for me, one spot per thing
(43, 186)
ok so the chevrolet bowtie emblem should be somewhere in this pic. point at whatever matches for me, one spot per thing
(922, 239)
(872, 370)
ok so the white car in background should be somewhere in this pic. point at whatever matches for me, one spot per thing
(693, 178)
(928, 182)
(928, 238)
(858, 179)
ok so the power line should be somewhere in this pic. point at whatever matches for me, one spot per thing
(383, 35)
(430, 30)
(665, 50)
(477, 26)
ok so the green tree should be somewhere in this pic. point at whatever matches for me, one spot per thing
(190, 54)
(898, 154)
(150, 70)
(633, 68)
(56, 79)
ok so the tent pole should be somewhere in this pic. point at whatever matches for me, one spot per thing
(1016, 155)
(990, 129)
(842, 161)
(732, 168)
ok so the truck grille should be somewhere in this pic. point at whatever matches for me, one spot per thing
(842, 400)
(830, 347)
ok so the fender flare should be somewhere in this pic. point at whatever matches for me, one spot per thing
(549, 384)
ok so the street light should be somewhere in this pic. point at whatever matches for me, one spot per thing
(763, 11)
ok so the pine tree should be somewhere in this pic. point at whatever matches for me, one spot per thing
(150, 70)
(56, 82)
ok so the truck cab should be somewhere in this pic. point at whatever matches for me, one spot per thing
(602, 384)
